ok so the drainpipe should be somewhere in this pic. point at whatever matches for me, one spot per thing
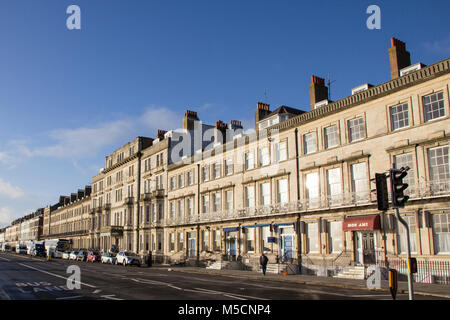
(198, 215)
(138, 197)
(299, 233)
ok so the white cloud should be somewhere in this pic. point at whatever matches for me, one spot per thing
(83, 142)
(440, 46)
(6, 216)
(10, 191)
(155, 118)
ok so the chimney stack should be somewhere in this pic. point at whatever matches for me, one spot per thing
(262, 110)
(220, 132)
(160, 134)
(317, 90)
(235, 125)
(189, 120)
(399, 58)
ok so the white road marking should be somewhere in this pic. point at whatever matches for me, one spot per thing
(111, 297)
(56, 275)
(5, 259)
(229, 294)
(4, 295)
(97, 291)
(67, 298)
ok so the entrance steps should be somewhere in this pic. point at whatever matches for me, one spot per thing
(353, 272)
(218, 265)
(280, 268)
(221, 265)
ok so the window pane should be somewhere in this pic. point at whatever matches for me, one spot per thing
(402, 237)
(309, 142)
(250, 239)
(359, 181)
(312, 185)
(334, 185)
(282, 188)
(441, 233)
(438, 161)
(312, 243)
(331, 137)
(250, 196)
(399, 116)
(264, 157)
(265, 193)
(336, 236)
(265, 234)
(356, 129)
(433, 106)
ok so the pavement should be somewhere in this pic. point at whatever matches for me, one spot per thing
(29, 278)
(425, 289)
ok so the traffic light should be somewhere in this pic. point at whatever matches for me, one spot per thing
(412, 265)
(382, 191)
(398, 187)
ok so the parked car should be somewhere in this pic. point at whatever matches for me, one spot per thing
(66, 255)
(73, 255)
(38, 250)
(128, 258)
(109, 258)
(82, 255)
(93, 256)
(21, 249)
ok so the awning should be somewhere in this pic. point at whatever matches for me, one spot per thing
(230, 229)
(362, 223)
(256, 225)
(283, 224)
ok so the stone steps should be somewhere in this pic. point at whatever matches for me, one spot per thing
(354, 272)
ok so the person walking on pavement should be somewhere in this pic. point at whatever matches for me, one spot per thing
(263, 262)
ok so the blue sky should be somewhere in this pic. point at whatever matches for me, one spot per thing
(136, 66)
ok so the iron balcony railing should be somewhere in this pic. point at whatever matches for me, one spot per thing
(322, 202)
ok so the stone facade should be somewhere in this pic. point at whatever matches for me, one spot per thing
(293, 189)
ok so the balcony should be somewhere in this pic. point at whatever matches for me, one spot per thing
(106, 207)
(114, 231)
(422, 190)
(158, 193)
(128, 201)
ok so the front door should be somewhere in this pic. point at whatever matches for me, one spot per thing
(364, 248)
(286, 247)
(191, 248)
(231, 243)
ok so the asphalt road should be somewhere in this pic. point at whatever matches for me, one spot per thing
(26, 278)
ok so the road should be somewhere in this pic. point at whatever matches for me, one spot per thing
(26, 278)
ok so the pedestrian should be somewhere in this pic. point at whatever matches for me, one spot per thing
(263, 262)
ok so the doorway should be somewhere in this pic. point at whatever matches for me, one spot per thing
(191, 245)
(365, 247)
(286, 248)
(231, 243)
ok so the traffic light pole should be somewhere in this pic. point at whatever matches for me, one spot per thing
(410, 282)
